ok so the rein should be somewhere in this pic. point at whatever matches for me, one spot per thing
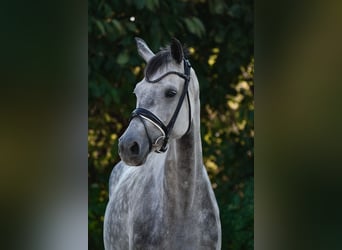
(144, 114)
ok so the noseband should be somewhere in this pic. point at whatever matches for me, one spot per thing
(144, 114)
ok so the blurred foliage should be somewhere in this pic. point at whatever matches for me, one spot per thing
(219, 37)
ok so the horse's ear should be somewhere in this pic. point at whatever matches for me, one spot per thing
(143, 50)
(176, 50)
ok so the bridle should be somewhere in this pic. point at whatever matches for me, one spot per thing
(146, 115)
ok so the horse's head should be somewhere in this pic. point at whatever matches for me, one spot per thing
(163, 110)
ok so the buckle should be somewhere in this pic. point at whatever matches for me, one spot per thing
(159, 144)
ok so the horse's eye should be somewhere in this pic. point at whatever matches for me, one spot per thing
(170, 93)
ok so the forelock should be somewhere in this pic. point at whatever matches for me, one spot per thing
(161, 59)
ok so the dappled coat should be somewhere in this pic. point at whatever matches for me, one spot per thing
(162, 200)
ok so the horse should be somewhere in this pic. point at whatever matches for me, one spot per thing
(160, 196)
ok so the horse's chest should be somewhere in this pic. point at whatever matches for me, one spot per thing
(134, 214)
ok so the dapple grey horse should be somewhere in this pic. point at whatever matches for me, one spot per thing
(160, 196)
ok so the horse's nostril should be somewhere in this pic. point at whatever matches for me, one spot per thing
(134, 148)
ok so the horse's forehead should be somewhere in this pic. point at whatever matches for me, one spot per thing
(147, 89)
(144, 88)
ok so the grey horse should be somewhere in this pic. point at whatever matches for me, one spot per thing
(160, 196)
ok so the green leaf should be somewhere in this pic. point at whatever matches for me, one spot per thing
(190, 25)
(199, 25)
(100, 27)
(122, 58)
(118, 26)
(195, 26)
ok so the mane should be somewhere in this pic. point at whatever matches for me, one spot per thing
(161, 59)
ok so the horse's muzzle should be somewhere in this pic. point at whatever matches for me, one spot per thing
(132, 150)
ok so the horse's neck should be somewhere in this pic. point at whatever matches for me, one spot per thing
(184, 167)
